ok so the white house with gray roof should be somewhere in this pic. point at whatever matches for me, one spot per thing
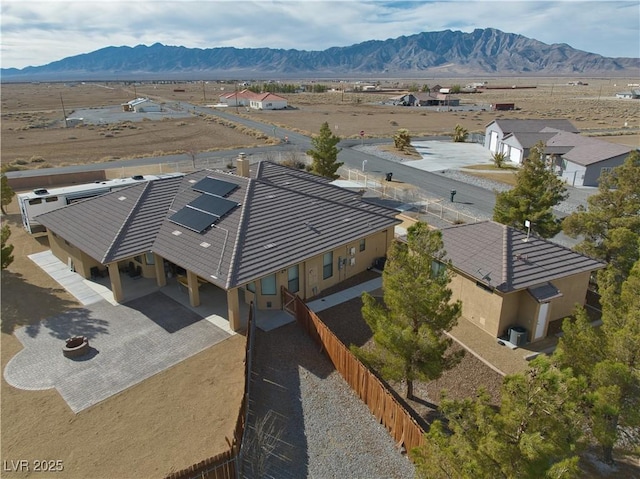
(506, 278)
(578, 159)
(249, 233)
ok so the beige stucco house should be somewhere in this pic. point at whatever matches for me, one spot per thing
(248, 232)
(506, 278)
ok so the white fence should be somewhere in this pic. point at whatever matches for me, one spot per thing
(412, 197)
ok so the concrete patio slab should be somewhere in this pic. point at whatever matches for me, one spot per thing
(127, 346)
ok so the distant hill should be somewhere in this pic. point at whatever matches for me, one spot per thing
(485, 52)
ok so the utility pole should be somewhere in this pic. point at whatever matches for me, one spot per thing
(63, 111)
(204, 94)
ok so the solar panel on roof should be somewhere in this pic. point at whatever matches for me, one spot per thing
(192, 219)
(214, 186)
(213, 204)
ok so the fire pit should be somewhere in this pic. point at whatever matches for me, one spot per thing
(76, 346)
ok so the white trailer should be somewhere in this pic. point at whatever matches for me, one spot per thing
(43, 200)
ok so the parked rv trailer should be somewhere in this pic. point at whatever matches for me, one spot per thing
(43, 200)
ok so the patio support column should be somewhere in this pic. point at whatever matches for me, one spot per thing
(161, 277)
(194, 292)
(233, 305)
(116, 282)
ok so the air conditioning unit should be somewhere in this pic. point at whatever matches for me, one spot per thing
(517, 335)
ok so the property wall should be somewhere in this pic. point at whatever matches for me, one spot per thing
(479, 306)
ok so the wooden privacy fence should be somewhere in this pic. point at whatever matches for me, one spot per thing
(381, 402)
(226, 465)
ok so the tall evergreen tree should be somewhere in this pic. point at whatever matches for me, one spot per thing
(7, 249)
(537, 191)
(6, 193)
(325, 153)
(610, 226)
(535, 434)
(408, 328)
(609, 359)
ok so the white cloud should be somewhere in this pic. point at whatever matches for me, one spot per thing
(39, 32)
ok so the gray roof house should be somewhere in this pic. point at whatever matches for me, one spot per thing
(252, 232)
(498, 130)
(506, 278)
(578, 159)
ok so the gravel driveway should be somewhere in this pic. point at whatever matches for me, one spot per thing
(321, 429)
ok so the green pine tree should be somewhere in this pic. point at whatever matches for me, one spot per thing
(537, 191)
(6, 193)
(609, 359)
(610, 226)
(325, 153)
(7, 249)
(536, 433)
(408, 328)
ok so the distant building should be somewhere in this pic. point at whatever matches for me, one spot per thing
(633, 94)
(141, 105)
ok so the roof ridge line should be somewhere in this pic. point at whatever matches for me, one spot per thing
(127, 221)
(506, 257)
(244, 218)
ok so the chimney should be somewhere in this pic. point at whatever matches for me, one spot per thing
(242, 165)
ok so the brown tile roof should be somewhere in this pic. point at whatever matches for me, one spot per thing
(284, 216)
(499, 256)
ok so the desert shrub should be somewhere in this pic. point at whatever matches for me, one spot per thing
(181, 123)
(499, 158)
(44, 165)
(393, 123)
(402, 139)
(21, 162)
(37, 159)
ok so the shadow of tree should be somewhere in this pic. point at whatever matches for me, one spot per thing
(74, 322)
(23, 303)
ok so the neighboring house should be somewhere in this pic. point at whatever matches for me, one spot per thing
(580, 160)
(267, 101)
(432, 98)
(505, 278)
(141, 105)
(633, 94)
(497, 130)
(257, 101)
(248, 233)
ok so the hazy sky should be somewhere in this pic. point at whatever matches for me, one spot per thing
(37, 32)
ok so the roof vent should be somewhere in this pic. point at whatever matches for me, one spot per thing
(138, 177)
(176, 233)
(204, 244)
(41, 191)
(122, 198)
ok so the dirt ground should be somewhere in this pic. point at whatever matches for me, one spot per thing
(33, 133)
(166, 423)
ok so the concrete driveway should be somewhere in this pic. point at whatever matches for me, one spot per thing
(448, 155)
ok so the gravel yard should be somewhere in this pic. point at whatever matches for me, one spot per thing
(322, 429)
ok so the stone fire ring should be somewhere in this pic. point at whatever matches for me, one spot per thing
(75, 347)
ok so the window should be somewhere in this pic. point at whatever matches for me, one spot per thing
(268, 285)
(51, 199)
(251, 287)
(35, 201)
(438, 268)
(149, 258)
(605, 169)
(293, 281)
(327, 265)
(363, 244)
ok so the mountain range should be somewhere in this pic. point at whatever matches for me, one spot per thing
(485, 52)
